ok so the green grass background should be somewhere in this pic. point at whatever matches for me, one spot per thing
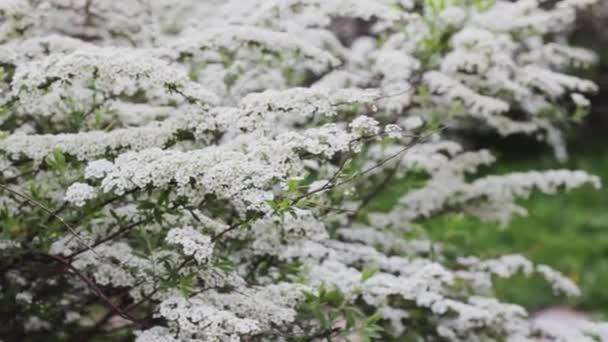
(568, 231)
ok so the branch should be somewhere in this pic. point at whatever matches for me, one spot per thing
(371, 195)
(50, 212)
(91, 284)
(330, 184)
(229, 229)
(107, 238)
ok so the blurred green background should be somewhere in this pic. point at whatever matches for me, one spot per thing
(568, 231)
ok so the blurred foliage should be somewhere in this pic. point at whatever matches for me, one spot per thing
(567, 231)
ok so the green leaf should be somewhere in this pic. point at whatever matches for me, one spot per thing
(368, 273)
(98, 118)
(322, 290)
(373, 319)
(351, 318)
(223, 264)
(309, 297)
(57, 161)
(292, 185)
(579, 114)
(185, 284)
(334, 297)
(483, 5)
(59, 158)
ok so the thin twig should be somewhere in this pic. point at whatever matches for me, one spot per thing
(57, 212)
(50, 212)
(370, 196)
(330, 184)
(91, 284)
(229, 229)
(326, 186)
(107, 238)
(411, 87)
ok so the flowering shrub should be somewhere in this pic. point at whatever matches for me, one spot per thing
(201, 170)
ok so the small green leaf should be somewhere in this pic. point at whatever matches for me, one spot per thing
(334, 297)
(368, 273)
(373, 319)
(58, 160)
(351, 318)
(185, 284)
(292, 185)
(321, 290)
(483, 5)
(98, 118)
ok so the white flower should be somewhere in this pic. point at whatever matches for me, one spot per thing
(393, 131)
(365, 126)
(194, 317)
(192, 243)
(580, 100)
(78, 193)
(98, 169)
(24, 297)
(558, 281)
(412, 123)
(205, 112)
(453, 16)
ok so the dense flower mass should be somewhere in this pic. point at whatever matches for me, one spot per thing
(202, 170)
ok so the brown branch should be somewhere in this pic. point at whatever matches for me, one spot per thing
(56, 213)
(371, 195)
(50, 212)
(107, 238)
(93, 286)
(331, 185)
(331, 182)
(325, 334)
(229, 229)
(326, 186)
(116, 198)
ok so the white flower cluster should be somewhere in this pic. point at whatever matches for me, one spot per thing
(306, 103)
(492, 65)
(123, 23)
(192, 243)
(558, 281)
(86, 79)
(227, 316)
(491, 197)
(293, 14)
(208, 166)
(234, 38)
(16, 17)
(78, 193)
(426, 284)
(20, 51)
(204, 126)
(199, 320)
